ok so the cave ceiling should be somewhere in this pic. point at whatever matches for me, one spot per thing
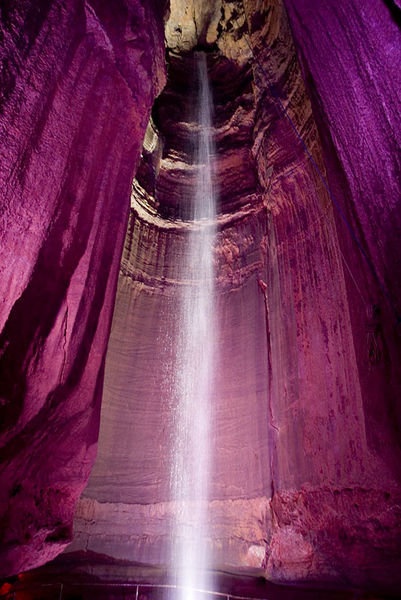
(167, 173)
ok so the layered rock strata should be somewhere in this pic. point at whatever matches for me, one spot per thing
(299, 434)
(294, 424)
(348, 63)
(77, 83)
(130, 484)
(356, 105)
(306, 480)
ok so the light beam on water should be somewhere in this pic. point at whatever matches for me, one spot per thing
(193, 379)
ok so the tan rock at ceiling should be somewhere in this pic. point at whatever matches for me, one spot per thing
(192, 22)
(215, 22)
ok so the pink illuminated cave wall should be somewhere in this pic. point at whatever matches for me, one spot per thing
(309, 275)
(76, 92)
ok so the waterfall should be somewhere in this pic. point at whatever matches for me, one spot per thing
(193, 378)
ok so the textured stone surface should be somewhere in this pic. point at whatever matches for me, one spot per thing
(192, 22)
(362, 152)
(312, 371)
(306, 481)
(141, 533)
(133, 465)
(175, 117)
(347, 535)
(284, 266)
(77, 83)
(356, 108)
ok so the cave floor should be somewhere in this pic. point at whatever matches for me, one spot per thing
(83, 577)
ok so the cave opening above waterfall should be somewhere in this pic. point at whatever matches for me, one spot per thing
(167, 172)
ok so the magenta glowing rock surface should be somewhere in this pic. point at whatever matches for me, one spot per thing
(300, 460)
(306, 438)
(76, 95)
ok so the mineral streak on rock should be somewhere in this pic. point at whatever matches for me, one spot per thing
(77, 83)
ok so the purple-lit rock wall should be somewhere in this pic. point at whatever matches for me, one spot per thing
(334, 343)
(306, 483)
(287, 267)
(351, 71)
(77, 83)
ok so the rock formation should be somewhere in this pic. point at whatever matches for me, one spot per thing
(306, 483)
(78, 80)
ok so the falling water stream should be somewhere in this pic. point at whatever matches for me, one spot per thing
(194, 370)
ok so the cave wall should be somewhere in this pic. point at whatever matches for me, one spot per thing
(326, 507)
(333, 349)
(311, 357)
(306, 484)
(353, 81)
(126, 511)
(349, 52)
(77, 83)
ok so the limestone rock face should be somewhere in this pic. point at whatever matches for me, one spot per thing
(191, 23)
(305, 427)
(364, 177)
(77, 83)
(306, 470)
(349, 66)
